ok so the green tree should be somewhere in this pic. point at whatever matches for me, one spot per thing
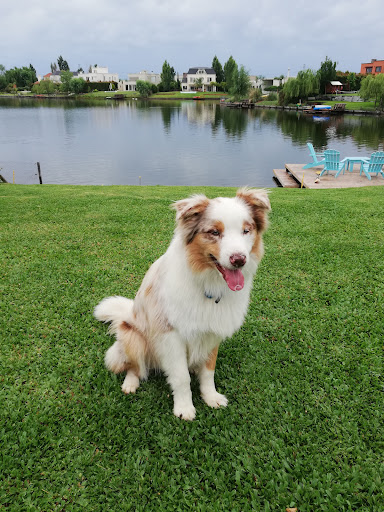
(44, 87)
(326, 73)
(167, 77)
(3, 82)
(65, 78)
(372, 87)
(241, 84)
(305, 84)
(255, 95)
(198, 83)
(218, 69)
(229, 68)
(76, 85)
(144, 88)
(63, 64)
(23, 77)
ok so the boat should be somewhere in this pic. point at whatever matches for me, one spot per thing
(198, 97)
(320, 110)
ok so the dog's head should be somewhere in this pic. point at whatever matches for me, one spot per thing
(224, 233)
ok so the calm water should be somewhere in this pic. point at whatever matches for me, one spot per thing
(166, 143)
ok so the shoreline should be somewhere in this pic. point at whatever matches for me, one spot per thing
(213, 97)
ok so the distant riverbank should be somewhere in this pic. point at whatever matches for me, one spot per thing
(122, 95)
(366, 107)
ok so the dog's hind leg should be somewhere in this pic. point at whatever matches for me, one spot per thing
(206, 376)
(131, 381)
(128, 354)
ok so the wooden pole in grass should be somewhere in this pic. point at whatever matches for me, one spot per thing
(39, 172)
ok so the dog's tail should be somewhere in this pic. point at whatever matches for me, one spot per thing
(128, 351)
(115, 310)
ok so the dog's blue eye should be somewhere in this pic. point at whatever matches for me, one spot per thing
(246, 231)
(214, 232)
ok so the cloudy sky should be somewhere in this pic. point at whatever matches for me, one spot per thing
(268, 37)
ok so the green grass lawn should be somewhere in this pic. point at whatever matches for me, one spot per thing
(304, 376)
(174, 95)
(354, 105)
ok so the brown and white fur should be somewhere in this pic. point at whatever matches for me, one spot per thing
(191, 299)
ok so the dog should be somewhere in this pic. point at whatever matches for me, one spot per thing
(192, 298)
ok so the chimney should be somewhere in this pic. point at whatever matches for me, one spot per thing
(373, 60)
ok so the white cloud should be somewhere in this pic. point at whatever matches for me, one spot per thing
(267, 37)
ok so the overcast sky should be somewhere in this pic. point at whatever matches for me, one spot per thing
(268, 37)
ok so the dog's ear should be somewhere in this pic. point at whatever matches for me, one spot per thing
(190, 207)
(258, 201)
(189, 213)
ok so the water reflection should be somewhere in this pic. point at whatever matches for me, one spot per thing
(168, 142)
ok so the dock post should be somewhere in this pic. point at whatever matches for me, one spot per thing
(39, 172)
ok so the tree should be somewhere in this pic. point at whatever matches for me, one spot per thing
(63, 64)
(76, 85)
(53, 67)
(305, 84)
(23, 77)
(373, 87)
(241, 84)
(326, 73)
(3, 82)
(255, 95)
(218, 69)
(229, 67)
(144, 88)
(65, 77)
(44, 87)
(198, 83)
(167, 77)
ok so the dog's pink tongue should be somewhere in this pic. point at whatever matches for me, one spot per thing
(234, 279)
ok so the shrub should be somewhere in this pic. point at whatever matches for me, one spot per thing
(255, 95)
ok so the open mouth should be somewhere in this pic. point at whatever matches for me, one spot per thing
(234, 278)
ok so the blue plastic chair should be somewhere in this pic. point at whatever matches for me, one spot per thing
(332, 162)
(374, 165)
(317, 158)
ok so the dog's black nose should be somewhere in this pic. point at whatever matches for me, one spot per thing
(238, 260)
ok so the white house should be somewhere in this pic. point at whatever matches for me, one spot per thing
(145, 76)
(263, 83)
(208, 76)
(99, 74)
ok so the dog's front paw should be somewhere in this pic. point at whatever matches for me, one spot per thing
(215, 400)
(184, 411)
(130, 384)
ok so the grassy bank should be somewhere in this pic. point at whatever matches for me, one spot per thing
(175, 95)
(304, 376)
(349, 105)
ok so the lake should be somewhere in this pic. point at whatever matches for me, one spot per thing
(107, 142)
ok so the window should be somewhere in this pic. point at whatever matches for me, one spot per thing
(378, 69)
(368, 69)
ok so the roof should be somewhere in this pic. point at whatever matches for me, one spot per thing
(209, 71)
(335, 82)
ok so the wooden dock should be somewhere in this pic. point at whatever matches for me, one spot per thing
(294, 176)
(284, 178)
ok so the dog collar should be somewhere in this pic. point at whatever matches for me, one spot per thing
(217, 300)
